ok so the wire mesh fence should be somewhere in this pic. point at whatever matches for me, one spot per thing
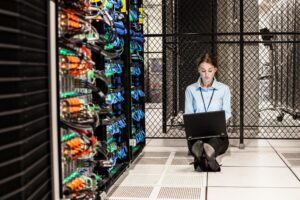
(256, 43)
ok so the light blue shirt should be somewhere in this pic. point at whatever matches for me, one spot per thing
(220, 100)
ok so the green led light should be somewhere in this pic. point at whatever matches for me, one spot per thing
(66, 52)
(108, 46)
(63, 52)
(135, 149)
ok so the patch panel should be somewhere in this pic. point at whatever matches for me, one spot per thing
(94, 91)
(137, 73)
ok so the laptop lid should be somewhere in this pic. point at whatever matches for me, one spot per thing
(205, 125)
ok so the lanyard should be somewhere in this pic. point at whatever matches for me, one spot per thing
(206, 109)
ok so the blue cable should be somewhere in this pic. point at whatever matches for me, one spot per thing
(141, 93)
(135, 71)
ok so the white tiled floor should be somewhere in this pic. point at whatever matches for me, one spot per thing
(251, 159)
(217, 193)
(264, 170)
(279, 177)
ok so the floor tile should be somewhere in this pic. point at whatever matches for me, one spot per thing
(294, 163)
(184, 170)
(155, 154)
(183, 180)
(217, 193)
(291, 155)
(285, 143)
(140, 180)
(182, 161)
(250, 142)
(253, 177)
(179, 193)
(296, 170)
(166, 149)
(184, 154)
(130, 192)
(146, 169)
(257, 172)
(168, 142)
(151, 161)
(288, 152)
(251, 149)
(246, 158)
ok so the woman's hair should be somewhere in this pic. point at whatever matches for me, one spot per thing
(206, 57)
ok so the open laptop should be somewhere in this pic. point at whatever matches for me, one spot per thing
(205, 125)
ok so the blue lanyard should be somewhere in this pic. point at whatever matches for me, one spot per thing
(206, 109)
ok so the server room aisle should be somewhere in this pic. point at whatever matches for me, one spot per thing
(264, 170)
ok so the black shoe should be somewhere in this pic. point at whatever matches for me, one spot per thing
(213, 165)
(198, 168)
(197, 150)
(211, 158)
(197, 165)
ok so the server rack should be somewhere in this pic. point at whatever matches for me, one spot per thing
(136, 60)
(101, 120)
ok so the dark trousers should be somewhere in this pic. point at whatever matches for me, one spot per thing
(220, 144)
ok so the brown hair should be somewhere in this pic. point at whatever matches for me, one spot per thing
(206, 57)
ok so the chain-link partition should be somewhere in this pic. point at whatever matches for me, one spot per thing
(256, 43)
(153, 55)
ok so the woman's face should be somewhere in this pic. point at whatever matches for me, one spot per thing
(207, 72)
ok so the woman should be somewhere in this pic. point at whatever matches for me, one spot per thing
(207, 95)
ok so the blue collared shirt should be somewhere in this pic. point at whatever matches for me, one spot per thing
(220, 100)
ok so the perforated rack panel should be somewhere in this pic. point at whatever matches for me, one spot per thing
(24, 102)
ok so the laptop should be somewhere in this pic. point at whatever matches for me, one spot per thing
(205, 125)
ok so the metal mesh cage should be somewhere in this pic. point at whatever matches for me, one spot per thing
(256, 44)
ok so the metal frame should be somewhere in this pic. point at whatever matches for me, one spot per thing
(243, 45)
(241, 74)
(55, 148)
(164, 71)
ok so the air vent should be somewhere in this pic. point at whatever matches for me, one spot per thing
(130, 192)
(179, 193)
